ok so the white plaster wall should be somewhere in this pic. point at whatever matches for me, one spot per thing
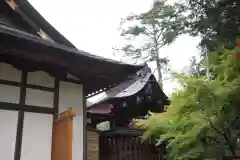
(37, 131)
(39, 98)
(70, 95)
(40, 78)
(38, 127)
(8, 72)
(37, 137)
(8, 125)
(9, 94)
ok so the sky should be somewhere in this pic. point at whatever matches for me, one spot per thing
(91, 25)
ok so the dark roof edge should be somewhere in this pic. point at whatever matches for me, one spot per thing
(30, 13)
(34, 39)
(93, 105)
(146, 76)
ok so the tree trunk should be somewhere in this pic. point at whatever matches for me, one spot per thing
(159, 71)
(231, 147)
(158, 63)
(226, 137)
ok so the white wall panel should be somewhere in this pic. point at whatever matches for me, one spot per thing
(8, 72)
(40, 78)
(39, 98)
(10, 94)
(70, 95)
(37, 137)
(8, 125)
(77, 144)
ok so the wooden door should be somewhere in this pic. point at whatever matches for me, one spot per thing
(62, 136)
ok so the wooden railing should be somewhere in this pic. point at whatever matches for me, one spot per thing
(128, 148)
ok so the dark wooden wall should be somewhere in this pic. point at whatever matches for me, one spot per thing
(128, 148)
(92, 145)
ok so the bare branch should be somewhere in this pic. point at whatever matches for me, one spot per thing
(214, 128)
(231, 124)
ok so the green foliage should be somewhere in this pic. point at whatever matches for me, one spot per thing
(196, 68)
(103, 126)
(198, 123)
(216, 21)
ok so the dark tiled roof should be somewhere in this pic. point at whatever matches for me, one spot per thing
(60, 42)
(131, 87)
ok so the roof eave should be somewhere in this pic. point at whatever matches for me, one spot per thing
(29, 13)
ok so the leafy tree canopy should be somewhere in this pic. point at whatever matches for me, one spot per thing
(215, 21)
(199, 121)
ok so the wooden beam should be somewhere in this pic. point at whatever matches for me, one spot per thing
(37, 87)
(84, 123)
(18, 144)
(72, 80)
(10, 83)
(31, 86)
(56, 96)
(26, 108)
(56, 109)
